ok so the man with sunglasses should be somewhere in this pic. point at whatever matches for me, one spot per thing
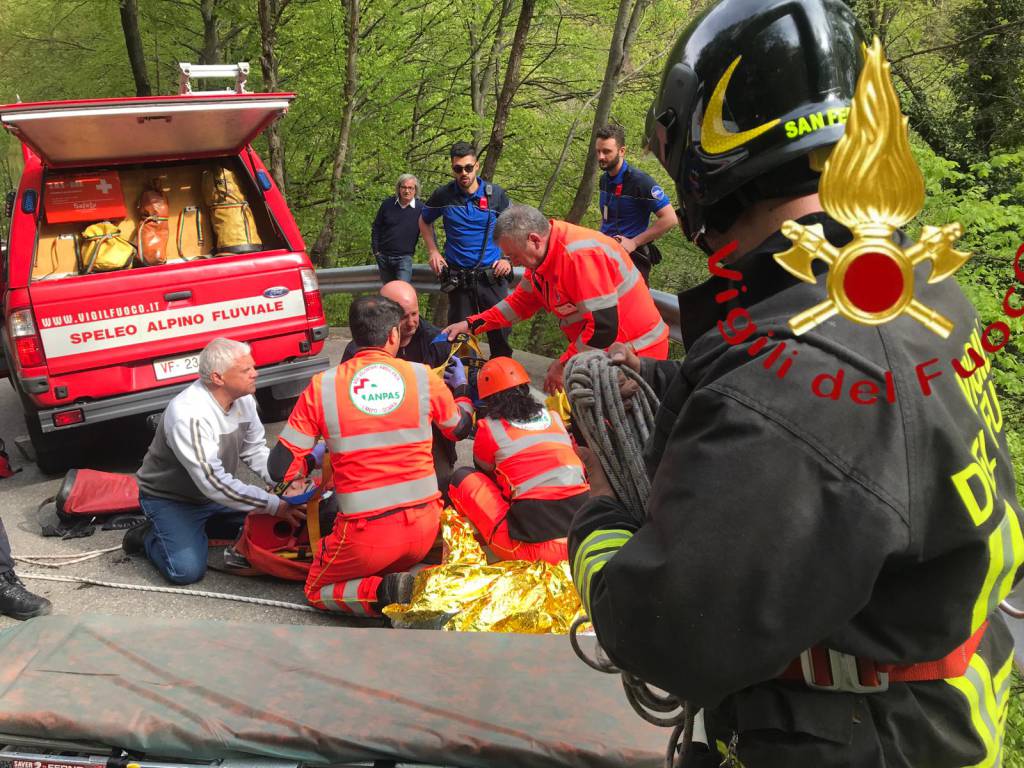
(472, 270)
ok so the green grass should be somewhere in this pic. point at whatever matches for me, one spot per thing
(1013, 744)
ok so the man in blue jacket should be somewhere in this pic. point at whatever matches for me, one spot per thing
(472, 270)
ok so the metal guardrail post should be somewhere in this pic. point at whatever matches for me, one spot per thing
(366, 279)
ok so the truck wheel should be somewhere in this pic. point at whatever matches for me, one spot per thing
(271, 408)
(52, 449)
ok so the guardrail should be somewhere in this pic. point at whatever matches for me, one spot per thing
(366, 279)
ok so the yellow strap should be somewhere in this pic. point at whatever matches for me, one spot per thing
(456, 348)
(313, 508)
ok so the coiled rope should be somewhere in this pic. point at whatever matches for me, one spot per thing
(617, 435)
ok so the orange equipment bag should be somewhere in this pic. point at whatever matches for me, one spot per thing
(151, 238)
(273, 547)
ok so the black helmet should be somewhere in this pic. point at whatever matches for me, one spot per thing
(752, 97)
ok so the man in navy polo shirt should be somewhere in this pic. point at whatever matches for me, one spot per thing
(628, 198)
(472, 270)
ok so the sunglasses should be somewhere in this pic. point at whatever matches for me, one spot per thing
(468, 168)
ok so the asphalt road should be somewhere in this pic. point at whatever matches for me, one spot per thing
(121, 448)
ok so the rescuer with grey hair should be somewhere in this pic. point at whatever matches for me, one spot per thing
(582, 277)
(188, 482)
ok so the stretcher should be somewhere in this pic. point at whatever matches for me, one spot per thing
(117, 692)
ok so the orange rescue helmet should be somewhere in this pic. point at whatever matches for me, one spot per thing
(500, 374)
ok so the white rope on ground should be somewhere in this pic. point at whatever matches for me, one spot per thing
(79, 557)
(617, 436)
(173, 591)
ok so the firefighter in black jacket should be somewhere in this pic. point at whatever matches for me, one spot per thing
(833, 520)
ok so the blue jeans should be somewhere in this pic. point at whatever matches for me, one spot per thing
(177, 542)
(394, 268)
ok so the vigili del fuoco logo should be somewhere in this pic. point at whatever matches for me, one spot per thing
(872, 185)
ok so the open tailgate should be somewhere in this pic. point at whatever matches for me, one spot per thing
(128, 130)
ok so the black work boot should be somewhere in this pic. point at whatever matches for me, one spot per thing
(134, 542)
(395, 588)
(17, 602)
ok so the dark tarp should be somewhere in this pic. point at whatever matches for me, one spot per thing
(205, 690)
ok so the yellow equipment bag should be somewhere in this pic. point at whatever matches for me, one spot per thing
(100, 248)
(233, 223)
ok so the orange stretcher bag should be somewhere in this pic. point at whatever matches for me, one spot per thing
(273, 547)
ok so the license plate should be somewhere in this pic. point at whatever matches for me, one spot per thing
(176, 367)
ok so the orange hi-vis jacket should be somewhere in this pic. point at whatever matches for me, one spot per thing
(375, 412)
(591, 285)
(531, 460)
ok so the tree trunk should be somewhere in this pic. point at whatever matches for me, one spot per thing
(508, 89)
(211, 37)
(483, 68)
(133, 41)
(270, 17)
(626, 24)
(326, 237)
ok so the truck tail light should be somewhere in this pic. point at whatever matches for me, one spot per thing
(67, 418)
(27, 344)
(311, 293)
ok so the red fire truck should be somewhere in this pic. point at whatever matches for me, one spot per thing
(82, 347)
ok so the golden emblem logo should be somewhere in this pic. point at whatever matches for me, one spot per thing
(715, 138)
(872, 185)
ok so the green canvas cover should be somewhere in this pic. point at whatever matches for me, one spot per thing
(206, 690)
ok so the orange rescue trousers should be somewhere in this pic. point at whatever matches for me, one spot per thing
(347, 570)
(480, 500)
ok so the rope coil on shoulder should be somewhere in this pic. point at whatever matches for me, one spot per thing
(617, 434)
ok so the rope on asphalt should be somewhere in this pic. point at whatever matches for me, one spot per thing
(78, 557)
(173, 591)
(617, 436)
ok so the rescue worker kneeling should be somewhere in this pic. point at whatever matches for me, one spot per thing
(525, 511)
(375, 412)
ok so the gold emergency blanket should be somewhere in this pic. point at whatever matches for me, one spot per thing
(466, 594)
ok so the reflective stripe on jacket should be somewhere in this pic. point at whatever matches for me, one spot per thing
(591, 285)
(531, 460)
(375, 412)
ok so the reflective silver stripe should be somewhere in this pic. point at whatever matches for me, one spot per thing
(332, 419)
(349, 596)
(423, 386)
(388, 496)
(559, 477)
(526, 285)
(625, 265)
(327, 598)
(630, 274)
(629, 279)
(600, 302)
(506, 310)
(298, 439)
(645, 340)
(568, 320)
(973, 676)
(388, 439)
(465, 406)
(509, 447)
